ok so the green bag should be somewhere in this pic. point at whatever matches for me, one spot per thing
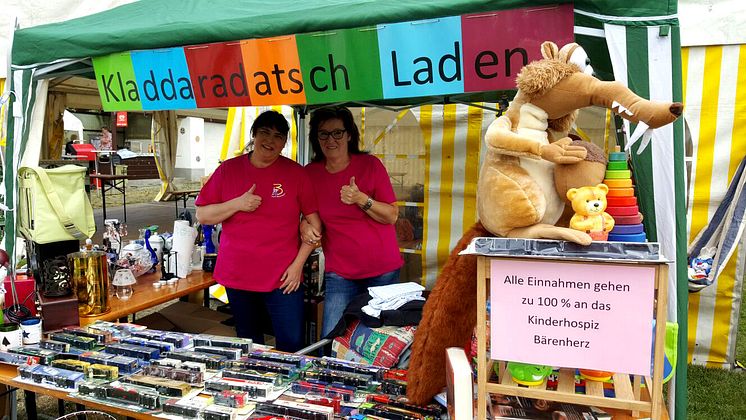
(53, 205)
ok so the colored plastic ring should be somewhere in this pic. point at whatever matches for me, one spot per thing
(618, 183)
(621, 201)
(528, 374)
(617, 165)
(625, 174)
(617, 156)
(627, 229)
(622, 211)
(635, 237)
(621, 192)
(595, 375)
(628, 220)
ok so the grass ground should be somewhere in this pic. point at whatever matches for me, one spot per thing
(137, 193)
(717, 393)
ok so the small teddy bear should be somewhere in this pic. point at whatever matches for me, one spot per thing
(589, 204)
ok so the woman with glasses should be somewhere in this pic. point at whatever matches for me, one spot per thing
(358, 210)
(259, 198)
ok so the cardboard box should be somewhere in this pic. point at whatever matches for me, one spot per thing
(190, 318)
(156, 321)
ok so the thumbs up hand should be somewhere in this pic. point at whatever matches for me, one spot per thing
(248, 201)
(351, 194)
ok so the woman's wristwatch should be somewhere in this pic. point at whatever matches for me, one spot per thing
(368, 204)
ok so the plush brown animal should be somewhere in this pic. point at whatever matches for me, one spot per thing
(528, 156)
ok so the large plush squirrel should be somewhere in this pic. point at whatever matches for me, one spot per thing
(516, 193)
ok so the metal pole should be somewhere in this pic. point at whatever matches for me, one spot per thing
(304, 149)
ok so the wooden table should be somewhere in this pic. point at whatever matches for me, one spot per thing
(146, 295)
(8, 372)
(183, 195)
(109, 182)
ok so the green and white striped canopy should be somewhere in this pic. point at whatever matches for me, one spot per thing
(634, 42)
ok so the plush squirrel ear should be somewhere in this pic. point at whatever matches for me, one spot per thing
(566, 52)
(548, 50)
(603, 187)
(571, 193)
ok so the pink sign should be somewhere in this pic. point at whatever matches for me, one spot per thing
(591, 316)
(498, 44)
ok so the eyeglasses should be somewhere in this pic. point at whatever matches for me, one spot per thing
(336, 134)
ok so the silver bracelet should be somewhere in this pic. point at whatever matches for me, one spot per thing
(368, 204)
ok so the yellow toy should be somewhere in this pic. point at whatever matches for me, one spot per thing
(589, 204)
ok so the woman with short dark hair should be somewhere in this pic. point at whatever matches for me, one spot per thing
(259, 198)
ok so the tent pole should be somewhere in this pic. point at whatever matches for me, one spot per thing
(304, 152)
(9, 175)
(679, 385)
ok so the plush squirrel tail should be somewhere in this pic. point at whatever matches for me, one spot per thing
(448, 320)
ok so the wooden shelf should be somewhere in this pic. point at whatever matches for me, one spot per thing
(628, 393)
(594, 393)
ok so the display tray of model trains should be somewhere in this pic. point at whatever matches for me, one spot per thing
(178, 375)
(227, 405)
(50, 377)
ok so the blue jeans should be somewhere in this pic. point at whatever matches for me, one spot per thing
(285, 311)
(340, 291)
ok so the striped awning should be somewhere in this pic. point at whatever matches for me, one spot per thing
(714, 79)
(453, 137)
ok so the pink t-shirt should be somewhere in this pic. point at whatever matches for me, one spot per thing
(355, 246)
(256, 247)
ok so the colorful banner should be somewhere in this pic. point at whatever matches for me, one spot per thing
(218, 75)
(421, 58)
(273, 69)
(497, 45)
(116, 82)
(435, 57)
(335, 69)
(163, 79)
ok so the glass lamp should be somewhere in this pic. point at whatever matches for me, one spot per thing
(123, 281)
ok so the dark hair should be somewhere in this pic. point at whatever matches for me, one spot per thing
(270, 119)
(331, 113)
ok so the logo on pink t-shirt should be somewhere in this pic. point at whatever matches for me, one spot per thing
(277, 191)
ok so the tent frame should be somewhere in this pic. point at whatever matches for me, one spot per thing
(648, 13)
